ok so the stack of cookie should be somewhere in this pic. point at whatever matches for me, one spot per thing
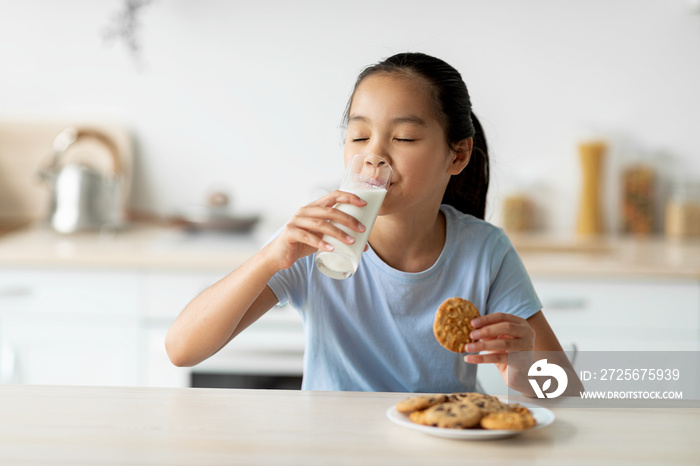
(466, 411)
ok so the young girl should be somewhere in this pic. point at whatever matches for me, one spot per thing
(373, 331)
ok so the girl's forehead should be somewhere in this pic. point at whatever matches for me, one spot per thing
(393, 91)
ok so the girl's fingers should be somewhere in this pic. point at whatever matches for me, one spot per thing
(493, 325)
(496, 317)
(487, 358)
(313, 221)
(317, 217)
(293, 234)
(501, 332)
(318, 227)
(517, 330)
(321, 227)
(339, 197)
(303, 234)
(499, 344)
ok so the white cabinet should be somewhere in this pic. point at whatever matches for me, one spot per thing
(274, 345)
(615, 314)
(107, 327)
(60, 291)
(166, 294)
(71, 353)
(160, 371)
(623, 314)
(65, 326)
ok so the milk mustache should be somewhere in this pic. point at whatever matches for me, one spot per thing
(369, 184)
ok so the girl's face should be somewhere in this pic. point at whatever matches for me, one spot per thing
(393, 116)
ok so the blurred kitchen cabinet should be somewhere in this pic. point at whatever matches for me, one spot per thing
(107, 326)
(160, 371)
(72, 353)
(69, 326)
(272, 346)
(166, 294)
(616, 314)
(623, 314)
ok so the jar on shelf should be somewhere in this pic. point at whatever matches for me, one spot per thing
(518, 211)
(682, 217)
(638, 194)
(592, 157)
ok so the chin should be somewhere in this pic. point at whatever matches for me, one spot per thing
(386, 209)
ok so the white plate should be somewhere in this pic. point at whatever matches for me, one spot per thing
(543, 417)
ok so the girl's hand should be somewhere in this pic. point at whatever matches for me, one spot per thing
(303, 234)
(508, 341)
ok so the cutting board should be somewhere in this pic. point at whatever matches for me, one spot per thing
(27, 146)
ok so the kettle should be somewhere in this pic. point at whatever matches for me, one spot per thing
(83, 198)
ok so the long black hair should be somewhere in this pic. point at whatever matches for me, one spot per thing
(467, 190)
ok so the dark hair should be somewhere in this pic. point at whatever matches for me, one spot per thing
(466, 191)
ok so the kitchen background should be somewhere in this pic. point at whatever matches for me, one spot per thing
(246, 99)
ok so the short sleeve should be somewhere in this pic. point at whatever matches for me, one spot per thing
(291, 285)
(511, 289)
(287, 284)
(277, 287)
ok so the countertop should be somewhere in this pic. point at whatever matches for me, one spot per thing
(112, 425)
(609, 256)
(140, 246)
(159, 247)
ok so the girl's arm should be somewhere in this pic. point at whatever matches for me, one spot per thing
(221, 312)
(226, 308)
(510, 341)
(546, 340)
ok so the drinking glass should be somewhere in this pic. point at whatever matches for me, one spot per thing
(368, 177)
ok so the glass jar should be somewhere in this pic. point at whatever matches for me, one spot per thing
(638, 194)
(682, 217)
(518, 211)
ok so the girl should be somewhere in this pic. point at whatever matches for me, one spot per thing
(373, 331)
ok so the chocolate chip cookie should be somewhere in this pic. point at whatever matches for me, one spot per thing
(452, 415)
(419, 402)
(487, 403)
(466, 411)
(518, 418)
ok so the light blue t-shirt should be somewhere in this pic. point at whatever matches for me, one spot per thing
(374, 330)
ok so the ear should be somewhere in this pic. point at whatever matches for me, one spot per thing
(461, 153)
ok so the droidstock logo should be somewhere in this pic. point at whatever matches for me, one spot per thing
(541, 369)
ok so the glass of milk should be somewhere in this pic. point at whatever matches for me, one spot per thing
(366, 176)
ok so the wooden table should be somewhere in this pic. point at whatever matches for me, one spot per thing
(108, 425)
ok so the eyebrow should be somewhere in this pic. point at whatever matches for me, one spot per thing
(413, 119)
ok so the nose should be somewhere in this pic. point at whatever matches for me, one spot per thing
(375, 170)
(378, 148)
(378, 162)
(374, 161)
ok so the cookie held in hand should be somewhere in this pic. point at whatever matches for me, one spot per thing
(452, 323)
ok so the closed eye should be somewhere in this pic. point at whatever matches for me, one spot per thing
(404, 140)
(359, 139)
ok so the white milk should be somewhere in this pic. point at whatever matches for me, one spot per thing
(344, 259)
